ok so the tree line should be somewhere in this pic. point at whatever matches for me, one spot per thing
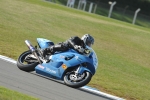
(144, 5)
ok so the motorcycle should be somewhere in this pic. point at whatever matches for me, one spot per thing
(75, 69)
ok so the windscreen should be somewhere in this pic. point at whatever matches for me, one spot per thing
(94, 57)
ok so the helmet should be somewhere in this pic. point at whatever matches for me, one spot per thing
(88, 39)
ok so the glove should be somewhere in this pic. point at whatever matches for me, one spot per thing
(87, 51)
(79, 49)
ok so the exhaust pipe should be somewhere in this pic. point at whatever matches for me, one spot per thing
(28, 43)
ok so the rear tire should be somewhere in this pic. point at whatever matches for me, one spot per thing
(28, 66)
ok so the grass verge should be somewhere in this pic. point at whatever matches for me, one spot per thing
(6, 94)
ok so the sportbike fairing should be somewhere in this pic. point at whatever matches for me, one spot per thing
(59, 62)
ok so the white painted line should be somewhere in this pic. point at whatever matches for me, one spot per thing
(101, 93)
(84, 87)
(8, 59)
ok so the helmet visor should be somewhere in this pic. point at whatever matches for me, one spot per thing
(89, 43)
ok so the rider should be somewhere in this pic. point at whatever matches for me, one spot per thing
(75, 42)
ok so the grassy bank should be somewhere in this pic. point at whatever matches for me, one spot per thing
(122, 48)
(6, 94)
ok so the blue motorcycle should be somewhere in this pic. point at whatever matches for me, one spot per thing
(75, 69)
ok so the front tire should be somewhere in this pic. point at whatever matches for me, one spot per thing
(26, 66)
(79, 83)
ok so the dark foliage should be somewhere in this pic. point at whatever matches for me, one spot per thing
(144, 5)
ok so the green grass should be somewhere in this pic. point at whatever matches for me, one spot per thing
(6, 94)
(122, 48)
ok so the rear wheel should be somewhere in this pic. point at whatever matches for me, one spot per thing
(76, 81)
(27, 61)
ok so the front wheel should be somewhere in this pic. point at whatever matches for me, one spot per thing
(27, 61)
(76, 81)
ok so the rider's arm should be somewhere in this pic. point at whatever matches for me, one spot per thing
(75, 41)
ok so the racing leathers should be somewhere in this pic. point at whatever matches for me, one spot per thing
(74, 43)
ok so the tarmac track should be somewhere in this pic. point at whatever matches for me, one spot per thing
(44, 88)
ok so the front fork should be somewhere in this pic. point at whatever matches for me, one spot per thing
(80, 70)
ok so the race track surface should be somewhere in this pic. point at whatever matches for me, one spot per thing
(41, 87)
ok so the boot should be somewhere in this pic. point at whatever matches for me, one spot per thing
(43, 53)
(46, 51)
